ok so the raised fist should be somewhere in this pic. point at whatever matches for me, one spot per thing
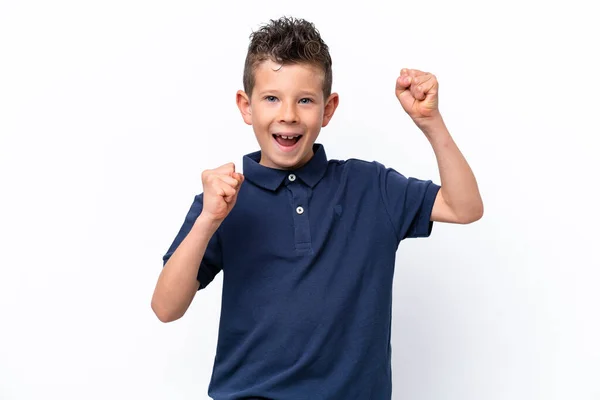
(221, 187)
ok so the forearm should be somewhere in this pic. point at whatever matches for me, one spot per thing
(459, 186)
(178, 283)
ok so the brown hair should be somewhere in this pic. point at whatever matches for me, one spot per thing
(287, 41)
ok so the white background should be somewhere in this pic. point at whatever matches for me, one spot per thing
(109, 111)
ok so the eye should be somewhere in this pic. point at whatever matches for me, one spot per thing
(270, 99)
(305, 100)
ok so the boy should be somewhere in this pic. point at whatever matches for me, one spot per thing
(307, 245)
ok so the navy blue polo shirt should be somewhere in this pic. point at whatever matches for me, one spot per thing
(308, 260)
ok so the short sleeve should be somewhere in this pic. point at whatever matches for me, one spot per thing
(409, 202)
(211, 264)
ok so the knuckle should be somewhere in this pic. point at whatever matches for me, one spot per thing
(216, 184)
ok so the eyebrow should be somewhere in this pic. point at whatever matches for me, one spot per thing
(301, 93)
(308, 93)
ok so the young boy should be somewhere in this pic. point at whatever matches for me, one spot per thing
(307, 245)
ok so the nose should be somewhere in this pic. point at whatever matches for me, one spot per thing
(288, 113)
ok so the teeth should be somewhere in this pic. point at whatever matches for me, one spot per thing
(288, 137)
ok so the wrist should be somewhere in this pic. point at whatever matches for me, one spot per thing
(434, 128)
(430, 122)
(207, 222)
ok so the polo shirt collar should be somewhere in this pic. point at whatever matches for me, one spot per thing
(270, 178)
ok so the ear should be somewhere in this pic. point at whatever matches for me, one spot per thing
(243, 103)
(330, 106)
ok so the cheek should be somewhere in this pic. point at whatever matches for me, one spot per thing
(314, 119)
(263, 115)
(257, 118)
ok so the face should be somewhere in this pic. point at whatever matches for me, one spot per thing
(287, 110)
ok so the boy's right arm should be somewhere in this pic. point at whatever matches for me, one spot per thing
(178, 283)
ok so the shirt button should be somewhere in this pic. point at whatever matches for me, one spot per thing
(292, 177)
(299, 210)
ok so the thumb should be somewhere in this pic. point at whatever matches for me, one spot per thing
(239, 177)
(402, 84)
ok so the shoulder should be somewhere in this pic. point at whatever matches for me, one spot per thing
(195, 208)
(198, 201)
(357, 167)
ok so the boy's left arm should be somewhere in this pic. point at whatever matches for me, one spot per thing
(458, 200)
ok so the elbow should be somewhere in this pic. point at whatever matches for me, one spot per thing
(163, 314)
(478, 211)
(474, 214)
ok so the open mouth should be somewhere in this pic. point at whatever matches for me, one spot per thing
(287, 140)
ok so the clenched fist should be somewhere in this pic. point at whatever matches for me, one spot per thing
(221, 188)
(417, 91)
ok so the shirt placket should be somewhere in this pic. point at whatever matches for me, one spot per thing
(300, 208)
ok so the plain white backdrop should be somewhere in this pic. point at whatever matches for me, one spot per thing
(109, 112)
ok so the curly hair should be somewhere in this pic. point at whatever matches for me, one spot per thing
(287, 41)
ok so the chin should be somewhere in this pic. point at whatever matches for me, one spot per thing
(287, 162)
(287, 159)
